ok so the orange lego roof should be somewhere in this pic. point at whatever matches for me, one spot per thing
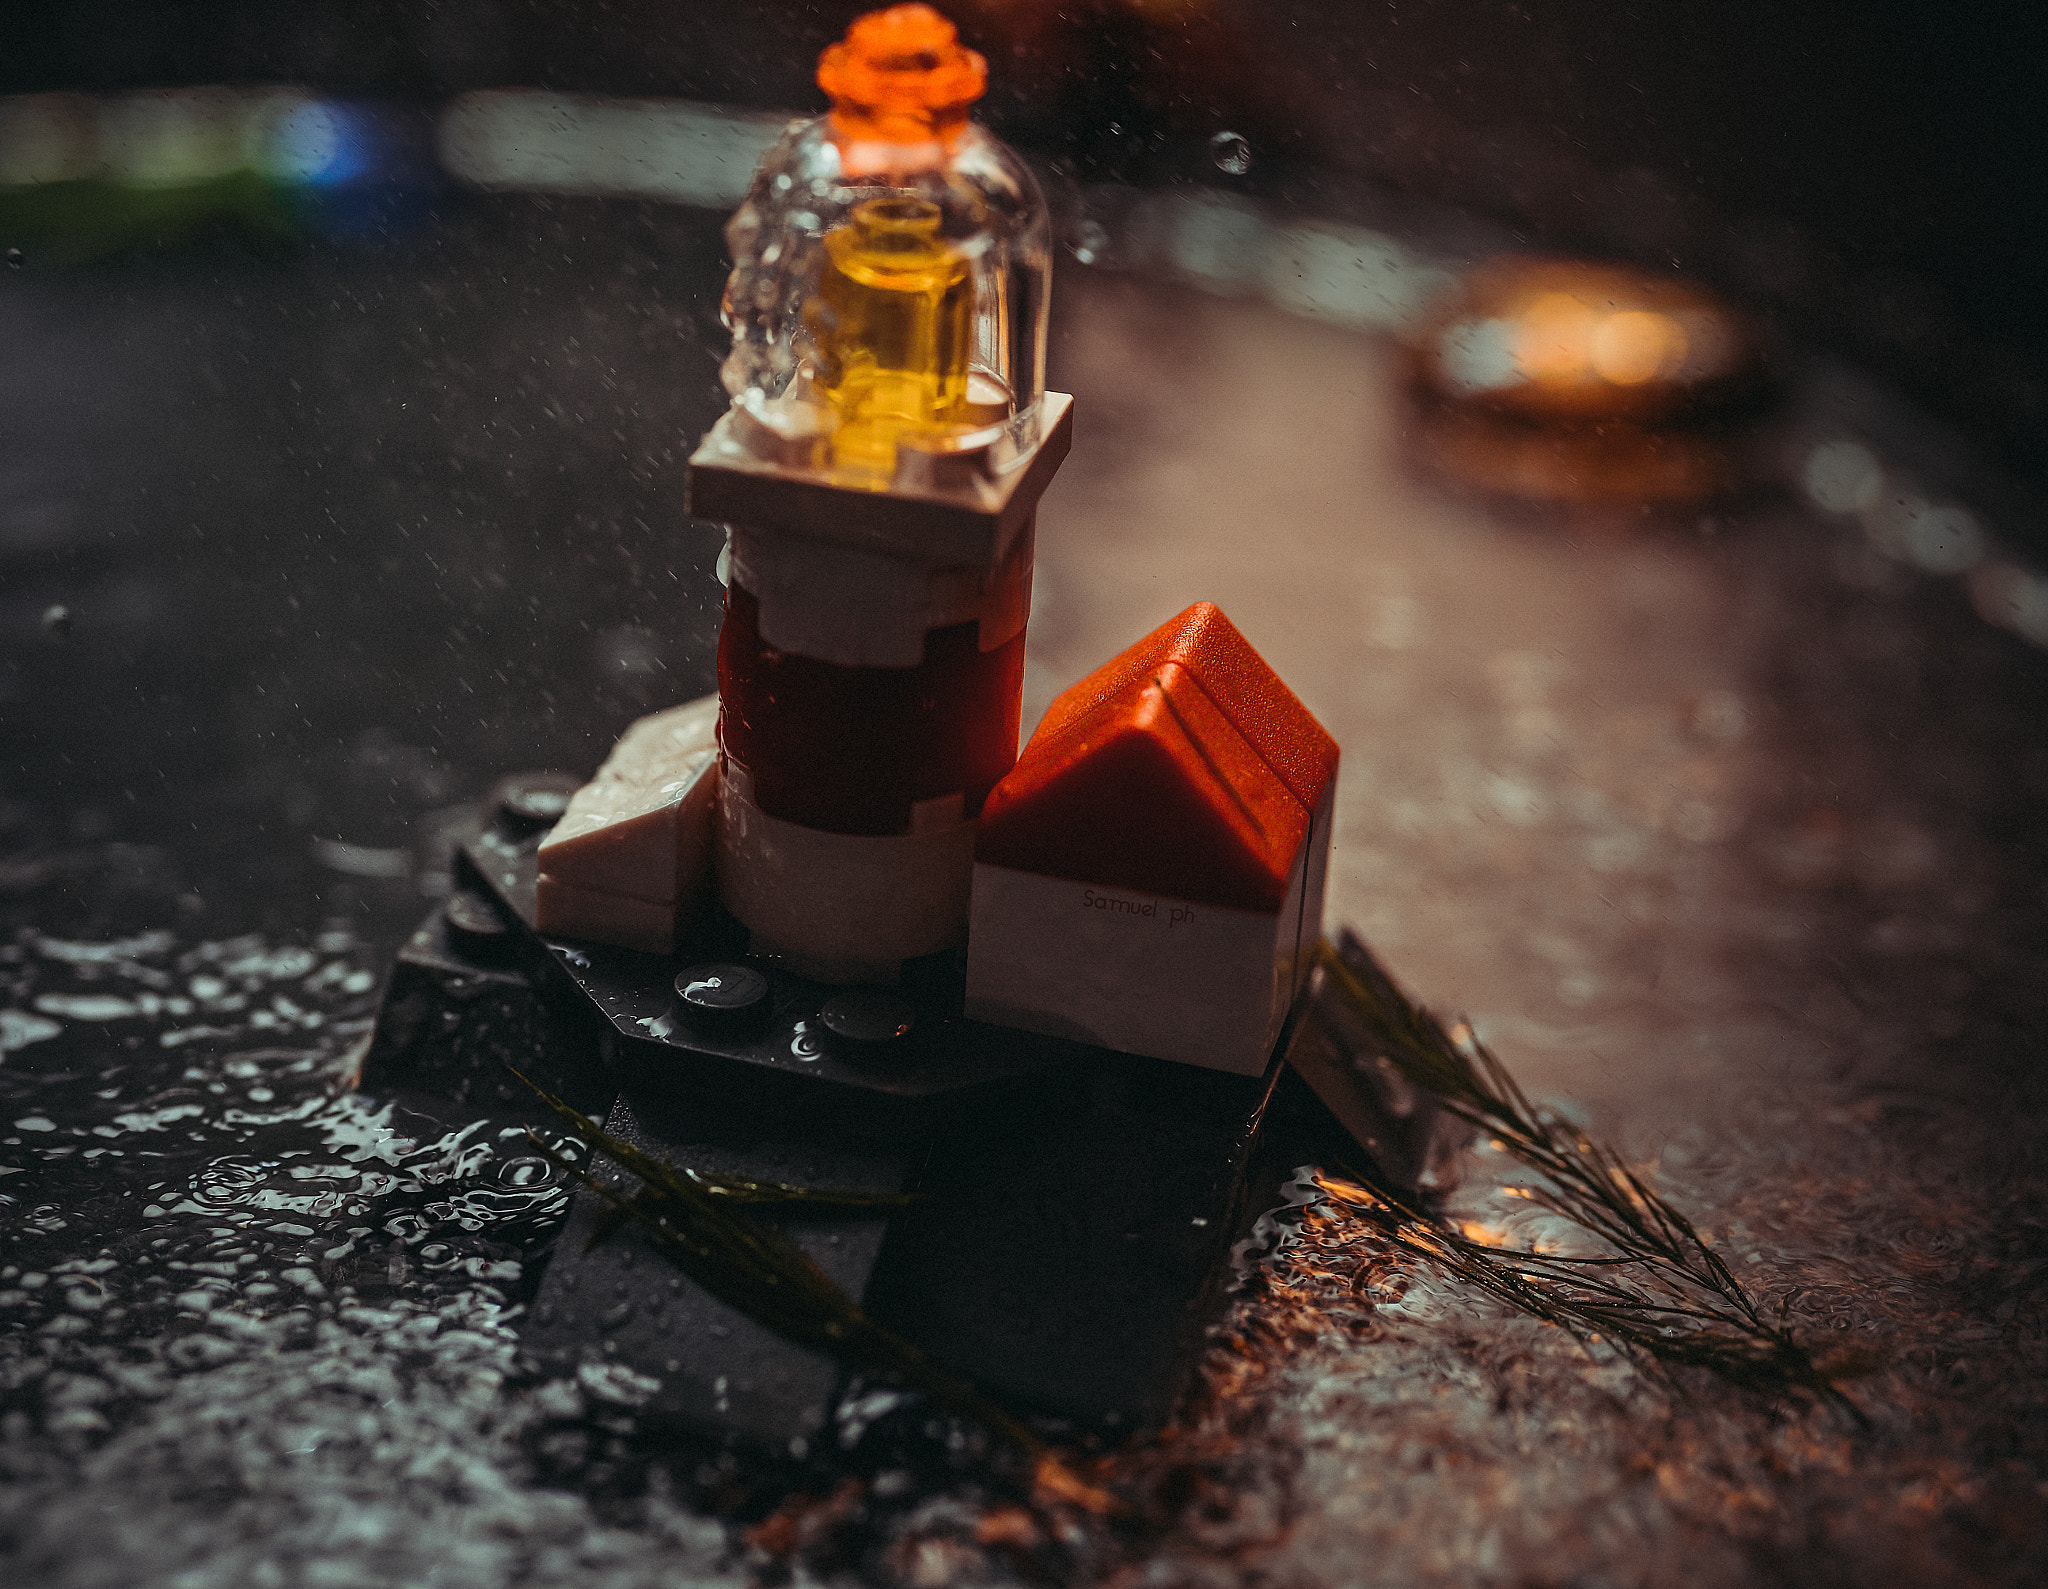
(1182, 767)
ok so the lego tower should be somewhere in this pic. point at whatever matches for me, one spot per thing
(879, 472)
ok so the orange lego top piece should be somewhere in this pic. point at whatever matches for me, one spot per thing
(901, 76)
(1182, 767)
(1249, 693)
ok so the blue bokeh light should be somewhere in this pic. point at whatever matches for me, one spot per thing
(315, 143)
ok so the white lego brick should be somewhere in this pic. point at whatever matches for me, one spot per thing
(565, 911)
(862, 608)
(942, 526)
(662, 739)
(635, 844)
(1311, 878)
(844, 907)
(645, 842)
(1144, 973)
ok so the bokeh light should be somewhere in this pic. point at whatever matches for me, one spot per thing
(1561, 380)
(294, 138)
(46, 138)
(1842, 477)
(1558, 339)
(1635, 346)
(172, 140)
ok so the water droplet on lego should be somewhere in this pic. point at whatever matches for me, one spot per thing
(721, 987)
(56, 619)
(1091, 242)
(805, 1044)
(14, 259)
(722, 1000)
(472, 920)
(1231, 152)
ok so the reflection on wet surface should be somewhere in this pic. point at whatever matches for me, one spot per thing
(1720, 825)
(1723, 835)
(232, 1288)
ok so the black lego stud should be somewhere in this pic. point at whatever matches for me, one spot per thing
(867, 1023)
(474, 926)
(531, 802)
(721, 1000)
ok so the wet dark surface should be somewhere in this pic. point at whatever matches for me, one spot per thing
(1722, 824)
(344, 535)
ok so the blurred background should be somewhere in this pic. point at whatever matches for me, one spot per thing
(1873, 170)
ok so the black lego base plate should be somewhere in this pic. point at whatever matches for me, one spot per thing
(1076, 1207)
(621, 1304)
(789, 1061)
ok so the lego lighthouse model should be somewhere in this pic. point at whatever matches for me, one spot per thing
(830, 928)
(880, 469)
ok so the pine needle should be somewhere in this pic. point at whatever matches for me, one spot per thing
(740, 1189)
(1659, 1290)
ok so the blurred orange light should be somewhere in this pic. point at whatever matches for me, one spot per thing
(1637, 346)
(1561, 340)
(1552, 338)
(1558, 341)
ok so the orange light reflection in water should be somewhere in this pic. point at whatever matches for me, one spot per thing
(1568, 381)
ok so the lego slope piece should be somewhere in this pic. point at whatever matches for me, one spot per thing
(1147, 875)
(634, 846)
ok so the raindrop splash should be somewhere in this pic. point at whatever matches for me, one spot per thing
(1231, 153)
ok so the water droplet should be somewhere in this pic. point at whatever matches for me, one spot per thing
(57, 619)
(1091, 242)
(1232, 154)
(14, 259)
